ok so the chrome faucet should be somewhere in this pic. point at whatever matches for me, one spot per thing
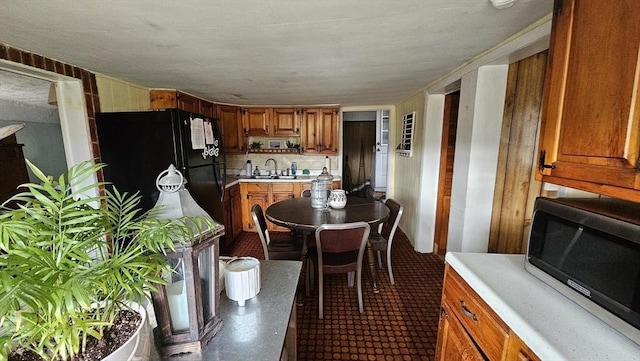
(275, 165)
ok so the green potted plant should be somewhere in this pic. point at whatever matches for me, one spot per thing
(71, 265)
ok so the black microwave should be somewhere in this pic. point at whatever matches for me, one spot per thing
(589, 250)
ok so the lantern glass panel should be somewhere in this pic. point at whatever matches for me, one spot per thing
(177, 296)
(207, 281)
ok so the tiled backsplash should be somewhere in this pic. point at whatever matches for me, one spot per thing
(236, 163)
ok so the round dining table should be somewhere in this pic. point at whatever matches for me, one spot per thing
(297, 214)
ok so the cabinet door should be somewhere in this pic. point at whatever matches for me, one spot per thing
(225, 248)
(518, 351)
(253, 193)
(285, 122)
(279, 192)
(309, 124)
(163, 99)
(236, 215)
(255, 198)
(208, 109)
(232, 205)
(328, 131)
(453, 341)
(189, 103)
(590, 121)
(231, 124)
(256, 121)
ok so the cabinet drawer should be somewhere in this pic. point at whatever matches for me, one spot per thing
(282, 187)
(258, 187)
(484, 326)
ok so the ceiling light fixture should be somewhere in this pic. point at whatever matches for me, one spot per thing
(502, 4)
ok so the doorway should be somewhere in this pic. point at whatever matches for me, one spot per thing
(364, 158)
(447, 153)
(72, 112)
(31, 102)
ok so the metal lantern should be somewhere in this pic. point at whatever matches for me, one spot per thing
(187, 308)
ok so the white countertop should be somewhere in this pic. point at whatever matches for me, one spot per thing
(552, 326)
(233, 180)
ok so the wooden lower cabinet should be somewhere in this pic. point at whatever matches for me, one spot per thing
(265, 194)
(470, 330)
(252, 194)
(454, 343)
(232, 217)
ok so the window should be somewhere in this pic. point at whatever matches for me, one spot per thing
(406, 143)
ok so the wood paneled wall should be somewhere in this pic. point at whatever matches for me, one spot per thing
(447, 154)
(516, 188)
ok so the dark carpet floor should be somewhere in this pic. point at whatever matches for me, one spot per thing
(399, 323)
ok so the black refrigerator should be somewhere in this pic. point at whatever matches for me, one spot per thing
(138, 146)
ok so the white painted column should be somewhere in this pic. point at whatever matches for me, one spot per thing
(430, 167)
(482, 96)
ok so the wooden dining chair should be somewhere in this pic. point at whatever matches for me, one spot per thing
(339, 249)
(383, 238)
(278, 248)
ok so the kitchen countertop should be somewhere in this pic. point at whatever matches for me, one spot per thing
(257, 330)
(551, 325)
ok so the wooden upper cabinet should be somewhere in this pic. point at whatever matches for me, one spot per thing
(309, 124)
(188, 103)
(173, 99)
(208, 109)
(328, 131)
(286, 122)
(230, 118)
(590, 119)
(256, 121)
(163, 99)
(319, 131)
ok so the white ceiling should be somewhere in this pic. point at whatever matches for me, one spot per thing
(271, 52)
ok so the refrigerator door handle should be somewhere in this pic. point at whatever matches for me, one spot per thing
(219, 184)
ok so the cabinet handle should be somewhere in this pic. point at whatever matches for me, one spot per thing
(466, 311)
(266, 130)
(541, 159)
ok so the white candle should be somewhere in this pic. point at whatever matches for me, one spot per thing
(178, 308)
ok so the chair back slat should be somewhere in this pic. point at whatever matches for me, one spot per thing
(390, 225)
(261, 227)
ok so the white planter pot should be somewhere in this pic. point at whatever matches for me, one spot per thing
(242, 279)
(138, 347)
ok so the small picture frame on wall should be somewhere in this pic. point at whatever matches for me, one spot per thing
(274, 143)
